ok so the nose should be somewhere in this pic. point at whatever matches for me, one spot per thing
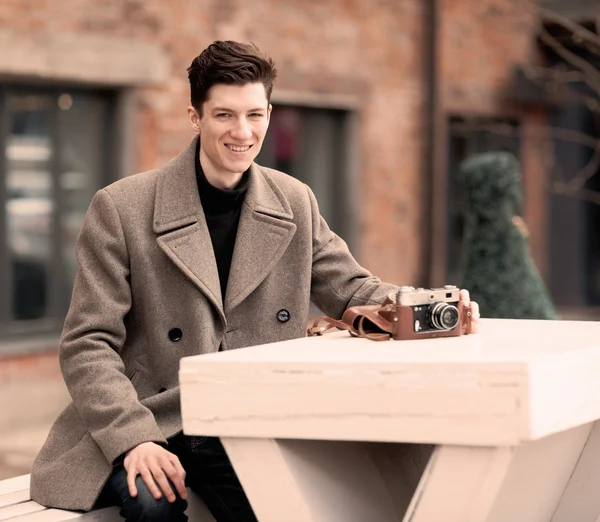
(242, 130)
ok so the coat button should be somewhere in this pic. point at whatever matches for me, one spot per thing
(283, 316)
(175, 334)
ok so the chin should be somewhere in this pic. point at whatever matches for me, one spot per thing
(241, 166)
(237, 168)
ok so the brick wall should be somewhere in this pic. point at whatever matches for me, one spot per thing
(367, 49)
(481, 45)
(371, 50)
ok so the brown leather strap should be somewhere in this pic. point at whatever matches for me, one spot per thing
(362, 321)
(371, 335)
(329, 324)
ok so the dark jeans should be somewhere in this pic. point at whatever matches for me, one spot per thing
(208, 473)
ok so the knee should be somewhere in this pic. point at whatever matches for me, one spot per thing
(145, 508)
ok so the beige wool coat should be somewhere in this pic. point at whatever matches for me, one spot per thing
(147, 293)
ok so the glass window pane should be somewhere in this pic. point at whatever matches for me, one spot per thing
(82, 129)
(29, 205)
(306, 143)
(467, 137)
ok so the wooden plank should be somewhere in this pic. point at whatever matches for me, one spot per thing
(14, 484)
(17, 506)
(488, 389)
(59, 515)
(364, 395)
(566, 383)
(9, 499)
(439, 408)
(197, 512)
(20, 508)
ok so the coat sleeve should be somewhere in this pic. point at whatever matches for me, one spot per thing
(94, 333)
(338, 281)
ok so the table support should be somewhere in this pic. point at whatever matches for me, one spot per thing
(331, 481)
(581, 499)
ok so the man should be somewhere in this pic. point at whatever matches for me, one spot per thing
(210, 252)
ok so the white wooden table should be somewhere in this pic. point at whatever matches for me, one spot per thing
(495, 427)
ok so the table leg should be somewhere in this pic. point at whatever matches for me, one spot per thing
(581, 501)
(330, 481)
(327, 481)
(516, 484)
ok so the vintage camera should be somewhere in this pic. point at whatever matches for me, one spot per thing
(427, 312)
(409, 313)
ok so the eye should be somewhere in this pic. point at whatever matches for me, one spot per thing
(256, 115)
(223, 115)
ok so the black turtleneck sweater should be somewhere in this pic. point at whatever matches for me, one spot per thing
(222, 209)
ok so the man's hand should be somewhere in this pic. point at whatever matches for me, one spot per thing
(466, 300)
(156, 465)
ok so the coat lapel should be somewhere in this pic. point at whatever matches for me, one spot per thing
(181, 225)
(264, 233)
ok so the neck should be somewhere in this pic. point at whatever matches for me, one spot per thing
(219, 179)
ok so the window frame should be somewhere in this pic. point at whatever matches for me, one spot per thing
(342, 185)
(479, 138)
(32, 335)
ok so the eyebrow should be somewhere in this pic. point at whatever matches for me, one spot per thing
(225, 109)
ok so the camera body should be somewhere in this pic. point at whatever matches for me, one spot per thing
(426, 312)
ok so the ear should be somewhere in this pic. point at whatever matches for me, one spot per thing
(194, 118)
(269, 110)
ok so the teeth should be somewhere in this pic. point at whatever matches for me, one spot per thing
(238, 149)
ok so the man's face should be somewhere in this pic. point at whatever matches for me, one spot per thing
(232, 127)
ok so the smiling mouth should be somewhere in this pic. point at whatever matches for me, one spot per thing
(237, 148)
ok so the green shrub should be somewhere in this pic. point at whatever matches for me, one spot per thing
(499, 272)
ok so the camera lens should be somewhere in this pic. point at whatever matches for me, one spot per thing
(443, 316)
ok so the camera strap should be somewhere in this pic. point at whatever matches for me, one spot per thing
(373, 322)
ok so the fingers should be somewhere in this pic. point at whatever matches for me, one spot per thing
(160, 479)
(474, 316)
(147, 477)
(465, 299)
(475, 311)
(160, 470)
(131, 474)
(179, 478)
(168, 470)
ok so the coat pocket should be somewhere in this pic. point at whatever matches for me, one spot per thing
(134, 376)
(135, 368)
(138, 374)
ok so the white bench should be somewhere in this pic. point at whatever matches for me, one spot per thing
(16, 505)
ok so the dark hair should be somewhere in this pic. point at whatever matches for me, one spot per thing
(231, 63)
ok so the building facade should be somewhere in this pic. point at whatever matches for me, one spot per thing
(369, 110)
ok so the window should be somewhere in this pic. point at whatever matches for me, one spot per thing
(309, 144)
(53, 157)
(466, 138)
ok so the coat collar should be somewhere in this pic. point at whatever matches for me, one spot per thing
(264, 231)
